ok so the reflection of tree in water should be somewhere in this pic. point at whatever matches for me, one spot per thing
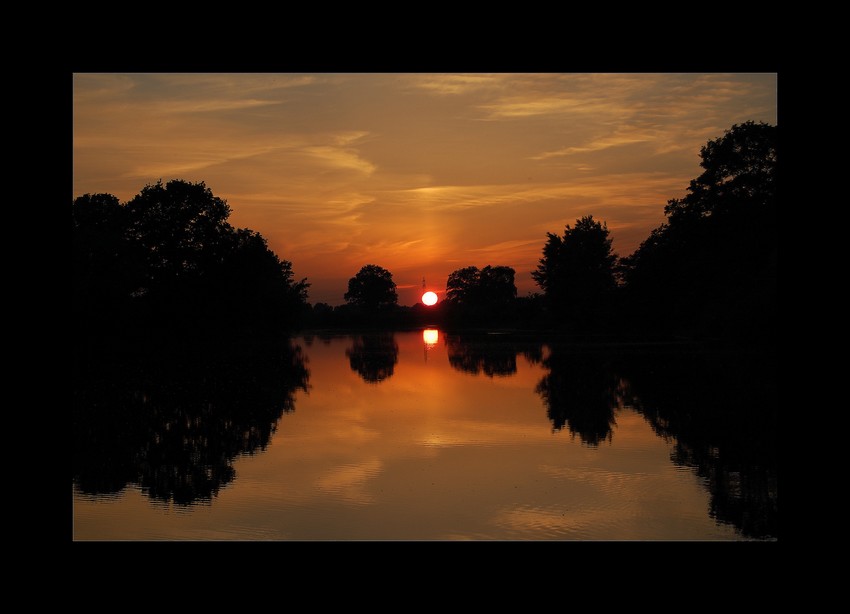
(581, 393)
(173, 420)
(492, 355)
(325, 337)
(373, 356)
(720, 411)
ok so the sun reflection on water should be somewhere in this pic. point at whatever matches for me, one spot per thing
(430, 336)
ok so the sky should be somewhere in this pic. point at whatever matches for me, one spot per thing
(421, 174)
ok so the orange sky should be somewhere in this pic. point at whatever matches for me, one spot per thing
(421, 174)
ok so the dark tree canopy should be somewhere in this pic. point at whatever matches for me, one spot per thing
(105, 271)
(480, 297)
(179, 228)
(461, 284)
(491, 286)
(739, 176)
(169, 255)
(577, 272)
(711, 267)
(372, 288)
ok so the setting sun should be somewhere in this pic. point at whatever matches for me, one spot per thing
(499, 159)
(258, 269)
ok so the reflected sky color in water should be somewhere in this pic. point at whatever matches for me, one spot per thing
(430, 452)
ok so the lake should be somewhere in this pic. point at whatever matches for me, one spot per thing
(426, 435)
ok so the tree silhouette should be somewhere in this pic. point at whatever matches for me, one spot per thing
(577, 272)
(170, 257)
(711, 267)
(106, 271)
(260, 285)
(480, 296)
(492, 286)
(180, 228)
(462, 285)
(372, 288)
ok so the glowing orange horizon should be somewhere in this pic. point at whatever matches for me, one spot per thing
(332, 191)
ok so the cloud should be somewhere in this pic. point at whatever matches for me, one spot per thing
(506, 245)
(193, 160)
(597, 145)
(609, 189)
(455, 84)
(237, 84)
(340, 155)
(333, 169)
(513, 109)
(208, 106)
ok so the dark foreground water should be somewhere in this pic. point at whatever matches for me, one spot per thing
(427, 436)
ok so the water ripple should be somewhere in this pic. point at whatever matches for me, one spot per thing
(347, 481)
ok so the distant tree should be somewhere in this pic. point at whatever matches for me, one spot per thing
(322, 309)
(530, 310)
(372, 288)
(498, 286)
(477, 297)
(489, 287)
(462, 285)
(711, 267)
(577, 272)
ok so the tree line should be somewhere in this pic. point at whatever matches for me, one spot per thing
(709, 270)
(169, 257)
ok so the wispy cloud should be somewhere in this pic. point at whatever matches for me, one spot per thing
(597, 145)
(611, 189)
(455, 84)
(519, 108)
(208, 106)
(200, 84)
(505, 245)
(446, 169)
(341, 155)
(199, 159)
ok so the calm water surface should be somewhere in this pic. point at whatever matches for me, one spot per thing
(431, 436)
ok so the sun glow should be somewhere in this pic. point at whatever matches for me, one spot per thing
(430, 336)
(429, 298)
